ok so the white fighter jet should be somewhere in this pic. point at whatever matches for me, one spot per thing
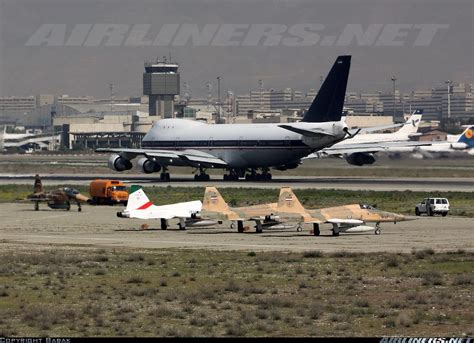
(140, 207)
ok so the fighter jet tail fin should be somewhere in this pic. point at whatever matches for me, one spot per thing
(38, 187)
(138, 201)
(468, 137)
(288, 202)
(213, 200)
(329, 102)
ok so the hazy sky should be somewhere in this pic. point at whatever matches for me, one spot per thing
(38, 54)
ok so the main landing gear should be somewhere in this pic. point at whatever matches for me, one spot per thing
(234, 175)
(316, 229)
(202, 176)
(254, 176)
(251, 175)
(165, 175)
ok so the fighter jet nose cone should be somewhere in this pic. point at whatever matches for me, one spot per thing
(400, 218)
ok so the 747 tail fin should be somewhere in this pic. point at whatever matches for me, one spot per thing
(329, 102)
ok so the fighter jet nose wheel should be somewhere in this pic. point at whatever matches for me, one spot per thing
(377, 231)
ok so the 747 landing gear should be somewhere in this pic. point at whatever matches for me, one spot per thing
(254, 176)
(202, 176)
(165, 176)
(232, 176)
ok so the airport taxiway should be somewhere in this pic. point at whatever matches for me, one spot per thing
(297, 182)
(100, 227)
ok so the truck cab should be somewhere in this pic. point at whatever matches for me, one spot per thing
(432, 206)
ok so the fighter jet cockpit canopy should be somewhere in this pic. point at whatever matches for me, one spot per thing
(71, 191)
(367, 207)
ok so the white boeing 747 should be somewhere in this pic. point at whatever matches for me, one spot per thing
(245, 150)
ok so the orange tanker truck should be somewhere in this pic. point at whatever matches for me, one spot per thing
(108, 192)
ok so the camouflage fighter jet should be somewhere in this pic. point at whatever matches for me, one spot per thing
(347, 218)
(58, 199)
(264, 215)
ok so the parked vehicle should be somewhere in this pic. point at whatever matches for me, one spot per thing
(432, 206)
(108, 192)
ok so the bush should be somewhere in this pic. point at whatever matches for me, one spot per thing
(361, 303)
(100, 258)
(315, 311)
(432, 277)
(464, 279)
(312, 254)
(136, 280)
(405, 320)
(392, 262)
(389, 323)
(232, 286)
(135, 258)
(421, 254)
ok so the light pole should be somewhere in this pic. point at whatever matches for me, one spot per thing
(393, 82)
(111, 87)
(219, 97)
(260, 86)
(449, 83)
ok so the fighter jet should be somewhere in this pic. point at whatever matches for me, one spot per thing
(264, 215)
(58, 199)
(288, 209)
(347, 218)
(140, 207)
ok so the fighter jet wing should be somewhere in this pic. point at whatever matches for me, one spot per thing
(193, 158)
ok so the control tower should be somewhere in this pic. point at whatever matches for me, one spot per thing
(161, 84)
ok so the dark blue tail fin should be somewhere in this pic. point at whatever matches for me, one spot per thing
(328, 104)
(467, 137)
